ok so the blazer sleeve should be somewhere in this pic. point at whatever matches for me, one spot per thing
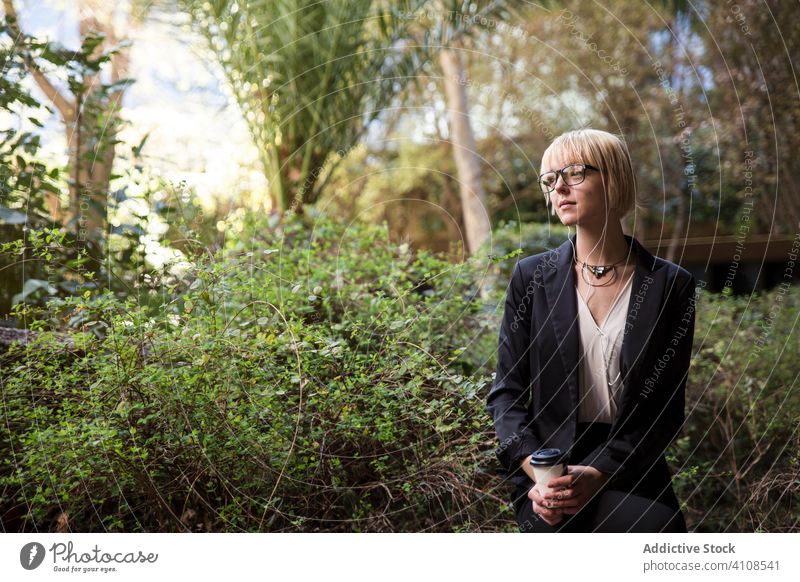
(508, 398)
(658, 415)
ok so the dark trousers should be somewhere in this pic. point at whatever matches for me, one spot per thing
(612, 511)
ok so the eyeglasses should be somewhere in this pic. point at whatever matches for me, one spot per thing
(573, 175)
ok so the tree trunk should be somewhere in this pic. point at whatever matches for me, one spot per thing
(91, 123)
(677, 174)
(468, 164)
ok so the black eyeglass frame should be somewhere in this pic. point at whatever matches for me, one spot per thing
(561, 173)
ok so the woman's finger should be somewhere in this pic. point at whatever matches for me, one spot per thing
(575, 503)
(535, 495)
(561, 503)
(541, 510)
(545, 511)
(550, 517)
(560, 494)
(563, 481)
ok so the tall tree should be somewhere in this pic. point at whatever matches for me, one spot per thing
(753, 48)
(465, 151)
(454, 24)
(681, 25)
(89, 109)
(309, 77)
(475, 209)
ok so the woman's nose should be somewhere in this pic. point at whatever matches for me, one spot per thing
(560, 183)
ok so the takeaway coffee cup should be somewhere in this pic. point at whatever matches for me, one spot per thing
(548, 464)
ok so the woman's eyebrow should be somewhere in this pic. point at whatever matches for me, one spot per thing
(564, 166)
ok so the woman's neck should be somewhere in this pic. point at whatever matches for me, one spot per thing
(602, 247)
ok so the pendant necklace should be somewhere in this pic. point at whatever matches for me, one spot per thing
(598, 271)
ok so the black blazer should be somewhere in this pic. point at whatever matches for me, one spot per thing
(534, 397)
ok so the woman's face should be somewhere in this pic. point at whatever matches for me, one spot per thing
(586, 202)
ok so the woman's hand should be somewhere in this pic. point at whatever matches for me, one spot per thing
(575, 489)
(542, 509)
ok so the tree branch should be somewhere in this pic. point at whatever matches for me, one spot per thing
(64, 105)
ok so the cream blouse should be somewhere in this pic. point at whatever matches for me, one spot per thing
(599, 375)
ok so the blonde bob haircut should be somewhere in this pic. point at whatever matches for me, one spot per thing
(602, 150)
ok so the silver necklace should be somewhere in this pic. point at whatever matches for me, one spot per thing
(598, 271)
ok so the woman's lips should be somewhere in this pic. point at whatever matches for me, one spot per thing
(566, 204)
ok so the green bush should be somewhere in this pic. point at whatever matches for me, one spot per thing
(738, 463)
(310, 376)
(512, 240)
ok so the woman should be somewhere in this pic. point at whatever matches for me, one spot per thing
(594, 349)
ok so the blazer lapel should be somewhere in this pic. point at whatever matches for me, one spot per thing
(644, 309)
(559, 289)
(644, 305)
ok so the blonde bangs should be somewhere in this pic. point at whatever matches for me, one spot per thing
(602, 150)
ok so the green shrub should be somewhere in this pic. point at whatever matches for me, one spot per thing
(311, 376)
(737, 460)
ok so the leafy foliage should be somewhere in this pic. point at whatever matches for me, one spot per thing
(737, 460)
(322, 381)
